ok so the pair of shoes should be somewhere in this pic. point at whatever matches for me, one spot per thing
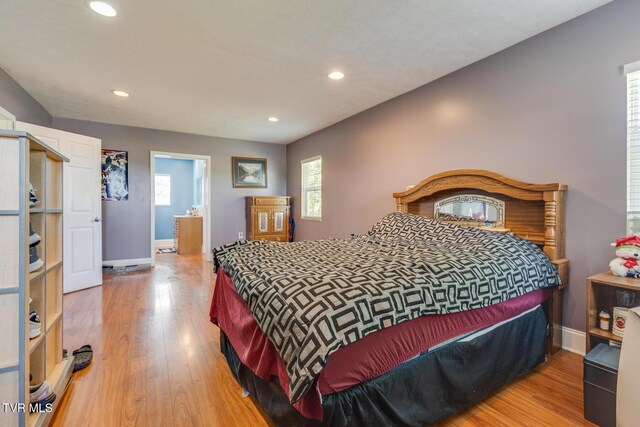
(40, 391)
(34, 238)
(40, 396)
(33, 199)
(34, 325)
(35, 263)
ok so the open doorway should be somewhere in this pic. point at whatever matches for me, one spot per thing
(180, 204)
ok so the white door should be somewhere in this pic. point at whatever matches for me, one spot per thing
(82, 206)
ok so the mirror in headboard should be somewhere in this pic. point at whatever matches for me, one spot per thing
(470, 209)
(532, 211)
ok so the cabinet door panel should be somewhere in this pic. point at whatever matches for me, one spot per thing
(279, 220)
(263, 221)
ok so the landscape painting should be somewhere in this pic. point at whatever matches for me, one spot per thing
(249, 172)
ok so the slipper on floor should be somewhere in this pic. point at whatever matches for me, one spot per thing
(82, 359)
(83, 349)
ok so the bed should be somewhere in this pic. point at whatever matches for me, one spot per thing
(438, 305)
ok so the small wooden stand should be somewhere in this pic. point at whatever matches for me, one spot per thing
(187, 234)
(601, 295)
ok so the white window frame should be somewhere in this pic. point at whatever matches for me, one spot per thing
(155, 197)
(632, 72)
(303, 207)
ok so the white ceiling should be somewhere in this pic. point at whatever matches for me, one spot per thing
(221, 67)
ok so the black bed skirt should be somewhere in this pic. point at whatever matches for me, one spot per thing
(421, 391)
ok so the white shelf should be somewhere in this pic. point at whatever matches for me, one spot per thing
(41, 356)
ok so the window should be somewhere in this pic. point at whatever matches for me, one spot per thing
(163, 189)
(633, 148)
(312, 188)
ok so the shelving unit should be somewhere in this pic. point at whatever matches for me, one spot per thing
(601, 295)
(28, 160)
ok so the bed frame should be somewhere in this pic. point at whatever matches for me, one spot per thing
(534, 212)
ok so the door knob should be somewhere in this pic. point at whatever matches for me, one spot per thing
(96, 219)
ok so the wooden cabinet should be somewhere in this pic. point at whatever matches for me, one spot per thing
(187, 234)
(601, 296)
(30, 284)
(268, 218)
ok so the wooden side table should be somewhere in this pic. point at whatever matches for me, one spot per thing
(187, 234)
(601, 295)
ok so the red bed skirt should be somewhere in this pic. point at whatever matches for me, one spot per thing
(368, 358)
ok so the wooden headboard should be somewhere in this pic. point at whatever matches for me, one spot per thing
(532, 211)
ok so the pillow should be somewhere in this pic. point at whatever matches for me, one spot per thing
(402, 226)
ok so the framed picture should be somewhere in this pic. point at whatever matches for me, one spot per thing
(115, 175)
(249, 172)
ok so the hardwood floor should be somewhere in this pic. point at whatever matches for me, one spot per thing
(157, 361)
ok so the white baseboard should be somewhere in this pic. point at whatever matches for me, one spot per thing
(573, 340)
(163, 243)
(126, 262)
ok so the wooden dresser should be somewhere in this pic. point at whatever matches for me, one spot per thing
(268, 218)
(187, 234)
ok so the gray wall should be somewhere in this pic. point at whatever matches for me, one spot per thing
(550, 109)
(18, 102)
(126, 225)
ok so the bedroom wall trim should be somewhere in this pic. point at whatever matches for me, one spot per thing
(126, 262)
(573, 340)
(163, 243)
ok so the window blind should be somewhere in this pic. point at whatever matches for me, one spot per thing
(633, 152)
(312, 188)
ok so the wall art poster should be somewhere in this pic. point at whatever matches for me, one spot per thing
(115, 177)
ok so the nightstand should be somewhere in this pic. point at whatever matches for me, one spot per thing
(601, 295)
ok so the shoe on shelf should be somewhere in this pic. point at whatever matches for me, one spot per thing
(41, 395)
(35, 262)
(40, 391)
(33, 199)
(34, 325)
(43, 405)
(34, 238)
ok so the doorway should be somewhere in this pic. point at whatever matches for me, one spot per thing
(180, 189)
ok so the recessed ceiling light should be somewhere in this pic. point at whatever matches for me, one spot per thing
(336, 75)
(273, 119)
(102, 8)
(120, 93)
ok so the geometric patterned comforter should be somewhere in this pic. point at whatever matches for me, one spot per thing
(312, 298)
